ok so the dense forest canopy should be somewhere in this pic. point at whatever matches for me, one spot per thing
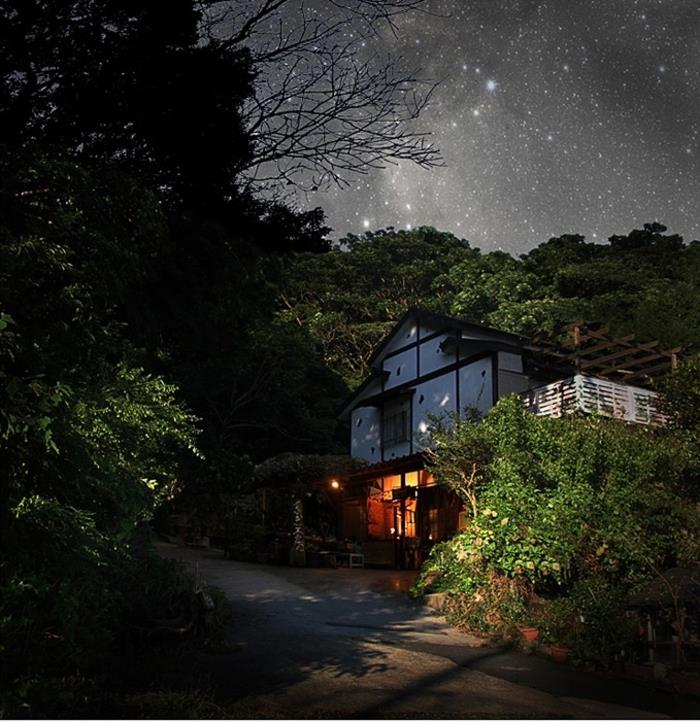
(142, 359)
(645, 283)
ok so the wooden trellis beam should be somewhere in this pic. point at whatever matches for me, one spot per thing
(581, 333)
(651, 371)
(632, 363)
(593, 351)
(627, 351)
(623, 340)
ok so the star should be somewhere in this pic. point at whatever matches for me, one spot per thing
(568, 146)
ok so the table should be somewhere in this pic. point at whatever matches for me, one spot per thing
(356, 560)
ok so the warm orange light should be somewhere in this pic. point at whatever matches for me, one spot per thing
(335, 484)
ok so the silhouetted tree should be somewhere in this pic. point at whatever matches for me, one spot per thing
(191, 94)
(324, 107)
(129, 83)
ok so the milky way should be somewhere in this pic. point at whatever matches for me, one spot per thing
(568, 116)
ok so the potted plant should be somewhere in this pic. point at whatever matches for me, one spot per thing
(529, 634)
(560, 653)
(559, 623)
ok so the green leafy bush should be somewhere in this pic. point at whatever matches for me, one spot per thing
(90, 442)
(451, 566)
(566, 515)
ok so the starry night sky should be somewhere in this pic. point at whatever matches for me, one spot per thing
(567, 116)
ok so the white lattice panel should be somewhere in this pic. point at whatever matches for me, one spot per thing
(591, 395)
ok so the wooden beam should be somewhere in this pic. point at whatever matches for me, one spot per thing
(598, 333)
(574, 351)
(607, 344)
(574, 339)
(588, 335)
(631, 363)
(665, 366)
(577, 335)
(547, 351)
(637, 348)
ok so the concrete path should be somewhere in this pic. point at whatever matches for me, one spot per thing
(341, 643)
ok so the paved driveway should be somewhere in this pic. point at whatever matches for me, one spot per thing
(341, 643)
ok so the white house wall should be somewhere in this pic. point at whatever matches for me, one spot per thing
(401, 368)
(511, 379)
(373, 388)
(433, 358)
(510, 383)
(397, 451)
(365, 434)
(426, 329)
(413, 353)
(407, 334)
(433, 398)
(476, 385)
(510, 362)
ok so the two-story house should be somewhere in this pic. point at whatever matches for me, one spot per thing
(430, 365)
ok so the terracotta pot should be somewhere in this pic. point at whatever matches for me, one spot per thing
(560, 653)
(530, 634)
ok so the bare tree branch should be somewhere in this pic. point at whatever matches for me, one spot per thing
(326, 107)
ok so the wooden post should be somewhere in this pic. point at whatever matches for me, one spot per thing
(577, 345)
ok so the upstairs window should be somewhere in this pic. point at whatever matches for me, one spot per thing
(395, 429)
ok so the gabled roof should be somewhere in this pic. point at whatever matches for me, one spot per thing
(590, 350)
(501, 341)
(448, 322)
(393, 466)
(374, 374)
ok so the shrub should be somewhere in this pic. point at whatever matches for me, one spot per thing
(566, 516)
(453, 566)
(496, 606)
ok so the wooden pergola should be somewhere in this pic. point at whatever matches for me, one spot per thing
(591, 350)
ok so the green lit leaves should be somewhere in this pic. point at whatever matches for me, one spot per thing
(28, 404)
(558, 495)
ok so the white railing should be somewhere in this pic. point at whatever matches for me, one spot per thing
(591, 395)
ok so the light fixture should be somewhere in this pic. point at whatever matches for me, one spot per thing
(335, 484)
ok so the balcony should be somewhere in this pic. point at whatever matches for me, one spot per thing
(591, 395)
